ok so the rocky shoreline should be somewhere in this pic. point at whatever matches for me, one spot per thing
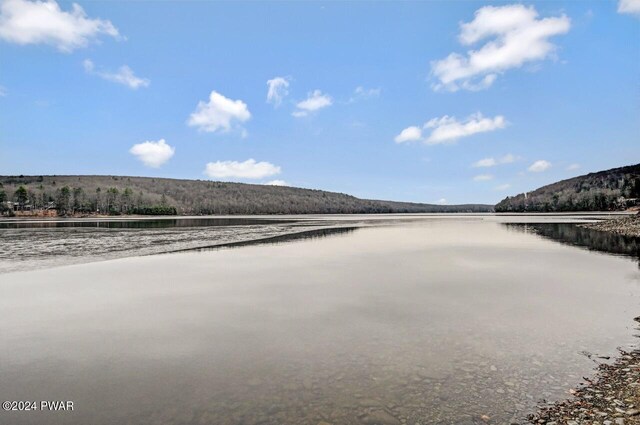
(611, 397)
(627, 226)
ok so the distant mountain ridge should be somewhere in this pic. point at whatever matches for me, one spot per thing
(609, 190)
(148, 195)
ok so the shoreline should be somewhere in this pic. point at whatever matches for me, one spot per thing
(626, 226)
(610, 397)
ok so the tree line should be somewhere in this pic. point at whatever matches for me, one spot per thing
(610, 190)
(148, 195)
(75, 200)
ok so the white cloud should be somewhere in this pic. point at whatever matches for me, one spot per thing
(278, 90)
(314, 102)
(409, 134)
(492, 162)
(249, 169)
(516, 36)
(539, 166)
(35, 22)
(277, 183)
(3, 91)
(360, 93)
(124, 75)
(448, 129)
(573, 167)
(483, 177)
(486, 162)
(218, 114)
(503, 186)
(631, 7)
(153, 154)
(441, 201)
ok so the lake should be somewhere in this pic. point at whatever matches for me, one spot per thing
(327, 320)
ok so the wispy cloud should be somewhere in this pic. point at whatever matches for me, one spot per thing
(449, 129)
(409, 134)
(483, 177)
(516, 36)
(278, 89)
(485, 162)
(631, 7)
(492, 162)
(539, 166)
(502, 187)
(573, 167)
(508, 159)
(44, 22)
(219, 113)
(124, 75)
(153, 154)
(314, 102)
(249, 169)
(441, 201)
(361, 93)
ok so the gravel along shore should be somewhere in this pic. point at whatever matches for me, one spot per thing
(627, 226)
(612, 397)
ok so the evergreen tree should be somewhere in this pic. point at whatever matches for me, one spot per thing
(21, 196)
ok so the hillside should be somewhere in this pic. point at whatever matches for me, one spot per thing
(615, 189)
(145, 195)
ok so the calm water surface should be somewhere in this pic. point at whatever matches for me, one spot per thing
(424, 322)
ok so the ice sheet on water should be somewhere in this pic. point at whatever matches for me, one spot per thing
(28, 249)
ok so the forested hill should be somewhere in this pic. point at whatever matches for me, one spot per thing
(615, 189)
(145, 195)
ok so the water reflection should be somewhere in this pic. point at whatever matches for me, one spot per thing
(575, 235)
(437, 322)
(307, 234)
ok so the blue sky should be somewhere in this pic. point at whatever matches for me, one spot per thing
(429, 101)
